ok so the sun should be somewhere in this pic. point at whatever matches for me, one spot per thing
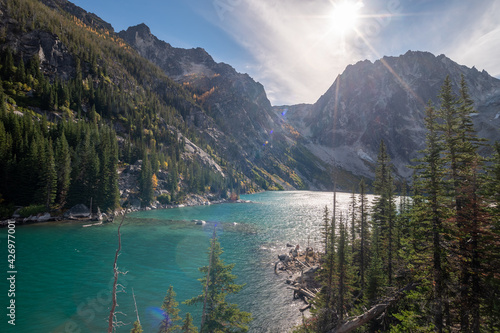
(345, 15)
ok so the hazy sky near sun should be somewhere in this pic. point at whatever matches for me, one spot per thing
(295, 49)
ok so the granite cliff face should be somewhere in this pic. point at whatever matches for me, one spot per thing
(55, 59)
(385, 100)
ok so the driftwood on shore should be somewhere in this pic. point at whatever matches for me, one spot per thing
(301, 267)
(298, 292)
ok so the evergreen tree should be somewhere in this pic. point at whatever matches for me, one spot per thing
(449, 218)
(402, 226)
(353, 208)
(5, 156)
(3, 109)
(20, 75)
(63, 169)
(170, 312)
(48, 185)
(187, 326)
(218, 314)
(108, 185)
(137, 327)
(364, 233)
(146, 182)
(429, 212)
(474, 217)
(173, 178)
(493, 183)
(344, 263)
(8, 68)
(375, 271)
(384, 210)
(460, 146)
(326, 228)
(326, 303)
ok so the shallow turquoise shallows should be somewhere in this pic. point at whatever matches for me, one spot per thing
(65, 271)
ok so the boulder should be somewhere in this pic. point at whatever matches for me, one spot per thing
(44, 218)
(78, 211)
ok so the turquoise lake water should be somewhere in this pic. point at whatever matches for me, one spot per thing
(65, 271)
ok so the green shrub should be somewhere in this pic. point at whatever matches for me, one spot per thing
(31, 210)
(164, 198)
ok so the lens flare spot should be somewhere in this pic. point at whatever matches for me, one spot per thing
(155, 316)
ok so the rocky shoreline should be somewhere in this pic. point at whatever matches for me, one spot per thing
(301, 268)
(82, 213)
(128, 185)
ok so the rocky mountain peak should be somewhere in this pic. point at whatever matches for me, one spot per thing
(176, 62)
(89, 19)
(142, 29)
(255, 137)
(385, 100)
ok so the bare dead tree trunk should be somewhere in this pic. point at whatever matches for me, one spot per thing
(115, 282)
(374, 312)
(135, 304)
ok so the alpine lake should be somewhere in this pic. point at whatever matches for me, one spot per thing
(65, 270)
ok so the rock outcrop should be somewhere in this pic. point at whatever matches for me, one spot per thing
(55, 59)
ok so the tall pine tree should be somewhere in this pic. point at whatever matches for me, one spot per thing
(384, 209)
(218, 283)
(170, 312)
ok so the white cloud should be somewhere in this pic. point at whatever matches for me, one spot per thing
(481, 45)
(298, 55)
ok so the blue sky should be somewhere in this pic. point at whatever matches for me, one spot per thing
(295, 50)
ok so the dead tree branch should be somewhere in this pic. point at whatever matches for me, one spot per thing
(374, 312)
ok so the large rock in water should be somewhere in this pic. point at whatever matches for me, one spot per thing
(78, 211)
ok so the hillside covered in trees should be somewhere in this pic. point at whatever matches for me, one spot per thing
(78, 104)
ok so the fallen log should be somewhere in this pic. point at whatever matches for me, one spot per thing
(310, 292)
(304, 308)
(303, 291)
(374, 312)
(300, 262)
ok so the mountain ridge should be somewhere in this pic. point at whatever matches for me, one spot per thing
(302, 146)
(385, 100)
(238, 105)
(359, 156)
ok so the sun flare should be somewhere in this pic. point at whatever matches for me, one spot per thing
(345, 15)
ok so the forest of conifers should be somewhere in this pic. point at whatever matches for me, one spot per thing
(429, 260)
